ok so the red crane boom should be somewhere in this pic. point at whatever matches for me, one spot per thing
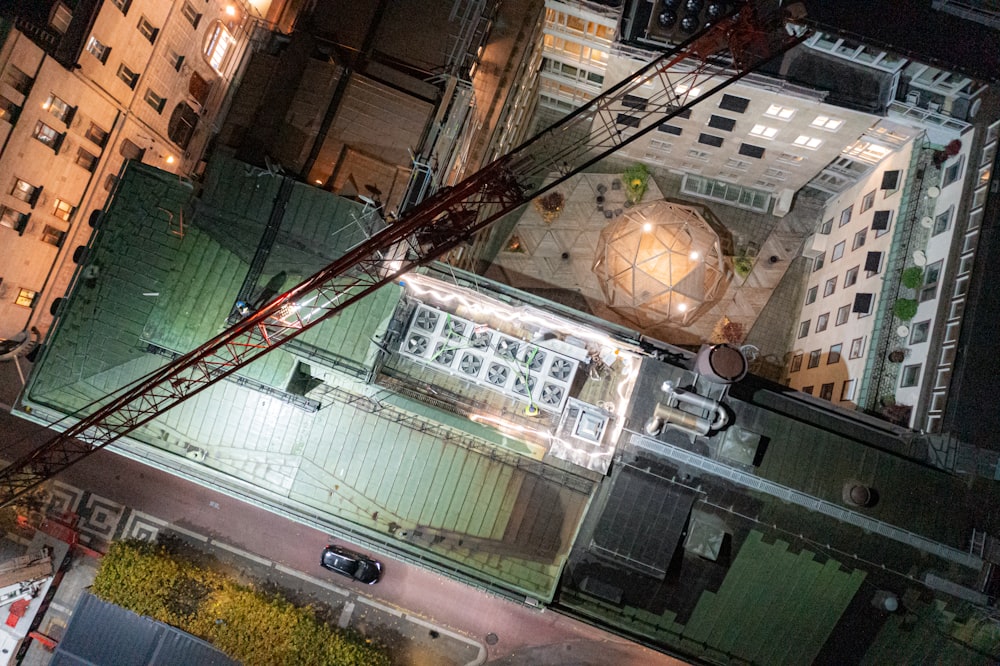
(715, 58)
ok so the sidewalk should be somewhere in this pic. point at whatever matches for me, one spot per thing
(410, 639)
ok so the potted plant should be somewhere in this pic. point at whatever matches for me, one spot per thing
(913, 277)
(636, 179)
(905, 309)
(550, 206)
(742, 265)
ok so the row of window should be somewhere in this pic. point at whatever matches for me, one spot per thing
(832, 356)
(847, 390)
(188, 11)
(18, 221)
(861, 305)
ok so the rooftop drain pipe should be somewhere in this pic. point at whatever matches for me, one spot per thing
(670, 414)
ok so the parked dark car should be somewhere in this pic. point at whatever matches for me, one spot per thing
(353, 565)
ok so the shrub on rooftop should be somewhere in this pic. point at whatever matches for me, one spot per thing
(905, 309)
(250, 626)
(913, 277)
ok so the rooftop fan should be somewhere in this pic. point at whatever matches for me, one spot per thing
(481, 340)
(497, 374)
(507, 348)
(560, 369)
(426, 320)
(454, 328)
(443, 355)
(535, 357)
(552, 394)
(522, 386)
(417, 345)
(470, 364)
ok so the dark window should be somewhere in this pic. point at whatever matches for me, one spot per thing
(199, 88)
(890, 180)
(826, 227)
(751, 150)
(722, 123)
(53, 235)
(807, 389)
(873, 262)
(96, 135)
(931, 276)
(634, 102)
(710, 140)
(880, 222)
(834, 355)
(826, 391)
(123, 5)
(26, 192)
(627, 120)
(814, 357)
(686, 113)
(148, 30)
(191, 14)
(796, 363)
(669, 129)
(733, 103)
(183, 122)
(18, 80)
(86, 159)
(8, 110)
(128, 76)
(863, 303)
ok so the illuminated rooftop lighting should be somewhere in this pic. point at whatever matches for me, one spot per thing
(230, 10)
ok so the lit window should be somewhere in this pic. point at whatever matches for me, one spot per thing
(780, 112)
(154, 100)
(812, 143)
(59, 109)
(851, 277)
(857, 348)
(191, 14)
(13, 219)
(814, 357)
(63, 210)
(47, 135)
(147, 29)
(218, 46)
(827, 123)
(838, 251)
(764, 131)
(127, 75)
(53, 235)
(98, 50)
(60, 18)
(25, 191)
(910, 376)
(822, 321)
(804, 328)
(25, 297)
(842, 314)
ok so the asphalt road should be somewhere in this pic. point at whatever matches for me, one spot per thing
(525, 635)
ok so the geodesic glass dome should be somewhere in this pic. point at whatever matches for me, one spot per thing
(660, 263)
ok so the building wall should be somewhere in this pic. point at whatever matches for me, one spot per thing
(577, 39)
(830, 336)
(145, 87)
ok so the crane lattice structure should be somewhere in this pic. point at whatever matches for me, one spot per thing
(666, 87)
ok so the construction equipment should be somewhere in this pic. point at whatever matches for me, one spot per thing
(669, 85)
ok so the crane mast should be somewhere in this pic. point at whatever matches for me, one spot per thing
(664, 88)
